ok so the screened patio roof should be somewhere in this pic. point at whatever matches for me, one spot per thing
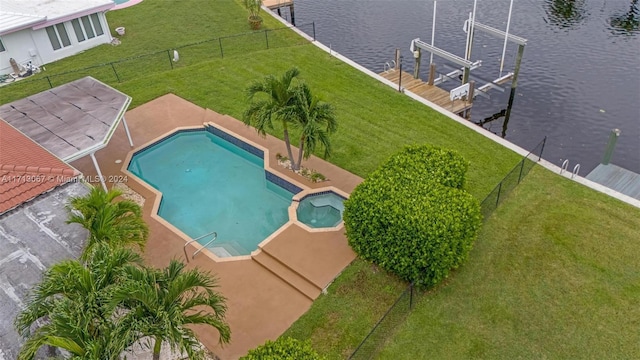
(72, 120)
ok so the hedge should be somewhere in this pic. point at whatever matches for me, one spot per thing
(412, 217)
(283, 349)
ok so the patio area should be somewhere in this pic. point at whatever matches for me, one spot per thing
(267, 291)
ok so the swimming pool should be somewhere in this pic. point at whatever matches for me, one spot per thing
(121, 4)
(211, 181)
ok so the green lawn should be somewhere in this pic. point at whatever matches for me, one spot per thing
(555, 274)
(338, 322)
(532, 284)
(154, 28)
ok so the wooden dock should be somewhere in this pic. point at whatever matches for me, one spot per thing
(431, 93)
(617, 178)
(276, 4)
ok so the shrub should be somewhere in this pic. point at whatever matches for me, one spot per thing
(426, 164)
(283, 349)
(411, 216)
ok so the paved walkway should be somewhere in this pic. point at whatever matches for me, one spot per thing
(267, 291)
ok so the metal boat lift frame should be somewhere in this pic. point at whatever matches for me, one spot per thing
(466, 65)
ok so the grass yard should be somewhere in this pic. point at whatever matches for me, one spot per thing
(555, 272)
(196, 29)
(338, 322)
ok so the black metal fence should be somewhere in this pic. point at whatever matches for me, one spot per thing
(511, 180)
(397, 313)
(187, 55)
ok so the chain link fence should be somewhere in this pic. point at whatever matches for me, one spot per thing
(164, 60)
(511, 180)
(397, 313)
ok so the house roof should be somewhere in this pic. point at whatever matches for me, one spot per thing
(16, 15)
(26, 169)
(72, 120)
(34, 236)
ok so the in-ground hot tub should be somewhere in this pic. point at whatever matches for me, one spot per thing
(321, 210)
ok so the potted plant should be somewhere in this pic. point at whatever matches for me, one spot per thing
(254, 6)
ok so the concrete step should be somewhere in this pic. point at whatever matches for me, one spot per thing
(288, 275)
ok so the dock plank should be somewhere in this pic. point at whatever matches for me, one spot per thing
(617, 178)
(432, 93)
(274, 4)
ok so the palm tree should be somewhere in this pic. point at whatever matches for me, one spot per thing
(279, 97)
(162, 303)
(118, 223)
(317, 121)
(72, 302)
(71, 328)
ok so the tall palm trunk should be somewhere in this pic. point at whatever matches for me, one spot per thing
(287, 142)
(156, 348)
(300, 152)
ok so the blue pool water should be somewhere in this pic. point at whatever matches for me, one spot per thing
(209, 184)
(118, 2)
(321, 210)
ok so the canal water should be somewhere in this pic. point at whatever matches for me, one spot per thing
(580, 75)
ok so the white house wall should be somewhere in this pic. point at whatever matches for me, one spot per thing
(18, 44)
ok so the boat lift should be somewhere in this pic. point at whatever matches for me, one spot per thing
(466, 65)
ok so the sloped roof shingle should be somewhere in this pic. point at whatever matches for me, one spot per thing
(27, 169)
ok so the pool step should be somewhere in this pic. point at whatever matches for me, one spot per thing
(289, 276)
(327, 200)
(228, 249)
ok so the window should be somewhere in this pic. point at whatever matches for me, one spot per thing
(58, 36)
(96, 24)
(87, 27)
(2, 46)
(76, 27)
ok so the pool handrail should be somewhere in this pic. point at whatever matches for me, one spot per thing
(215, 236)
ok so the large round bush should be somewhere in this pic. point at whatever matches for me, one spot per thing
(412, 217)
(283, 349)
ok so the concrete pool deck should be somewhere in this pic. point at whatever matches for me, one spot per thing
(267, 291)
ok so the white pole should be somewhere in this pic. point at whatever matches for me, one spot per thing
(466, 48)
(433, 30)
(473, 23)
(126, 129)
(95, 163)
(506, 38)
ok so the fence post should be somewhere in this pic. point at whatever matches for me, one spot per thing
(521, 168)
(314, 30)
(49, 80)
(170, 60)
(115, 72)
(544, 141)
(266, 37)
(221, 52)
(499, 190)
